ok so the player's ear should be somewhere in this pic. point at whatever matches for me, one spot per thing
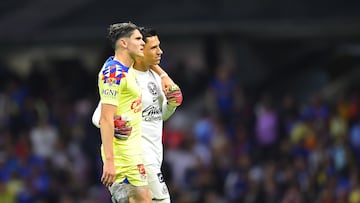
(123, 42)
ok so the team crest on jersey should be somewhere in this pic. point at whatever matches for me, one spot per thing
(112, 75)
(152, 88)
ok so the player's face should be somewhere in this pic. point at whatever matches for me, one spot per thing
(136, 44)
(152, 51)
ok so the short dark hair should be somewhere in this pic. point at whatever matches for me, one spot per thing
(119, 30)
(147, 32)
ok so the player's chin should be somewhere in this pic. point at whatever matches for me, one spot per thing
(140, 54)
(155, 62)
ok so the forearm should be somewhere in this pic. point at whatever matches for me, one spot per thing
(158, 70)
(166, 81)
(107, 136)
(96, 116)
(167, 111)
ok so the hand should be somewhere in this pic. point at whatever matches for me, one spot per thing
(174, 96)
(109, 173)
(122, 130)
(166, 83)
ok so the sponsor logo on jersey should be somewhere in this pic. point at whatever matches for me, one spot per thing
(152, 113)
(109, 93)
(136, 105)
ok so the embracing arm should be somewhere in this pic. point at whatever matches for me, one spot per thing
(167, 111)
(174, 99)
(122, 130)
(171, 91)
(96, 116)
(166, 81)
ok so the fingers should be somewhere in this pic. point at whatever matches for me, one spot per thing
(174, 96)
(166, 83)
(109, 172)
(163, 86)
(119, 123)
(167, 88)
(124, 130)
(108, 178)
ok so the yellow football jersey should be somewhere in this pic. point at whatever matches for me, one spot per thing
(118, 86)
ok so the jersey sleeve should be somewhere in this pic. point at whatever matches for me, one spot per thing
(111, 82)
(167, 110)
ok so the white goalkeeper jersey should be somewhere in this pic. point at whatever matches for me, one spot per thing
(154, 111)
(154, 105)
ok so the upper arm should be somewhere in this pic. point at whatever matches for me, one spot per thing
(108, 112)
(111, 81)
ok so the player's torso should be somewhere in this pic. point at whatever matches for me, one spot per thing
(152, 122)
(130, 97)
(118, 86)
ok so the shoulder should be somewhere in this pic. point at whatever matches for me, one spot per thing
(113, 65)
(157, 77)
(113, 72)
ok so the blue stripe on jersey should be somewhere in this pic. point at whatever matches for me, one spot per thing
(110, 62)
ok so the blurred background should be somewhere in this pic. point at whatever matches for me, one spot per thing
(271, 110)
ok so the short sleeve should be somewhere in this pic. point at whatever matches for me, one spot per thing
(111, 81)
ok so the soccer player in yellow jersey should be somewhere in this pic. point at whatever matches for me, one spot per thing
(157, 106)
(120, 95)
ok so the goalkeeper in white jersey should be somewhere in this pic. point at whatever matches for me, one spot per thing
(157, 106)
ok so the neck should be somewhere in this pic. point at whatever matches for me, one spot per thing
(125, 59)
(141, 66)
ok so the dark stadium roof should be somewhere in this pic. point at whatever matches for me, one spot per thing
(42, 20)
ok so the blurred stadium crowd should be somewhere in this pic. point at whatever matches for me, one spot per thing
(234, 148)
(260, 129)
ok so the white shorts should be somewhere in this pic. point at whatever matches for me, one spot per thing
(157, 186)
